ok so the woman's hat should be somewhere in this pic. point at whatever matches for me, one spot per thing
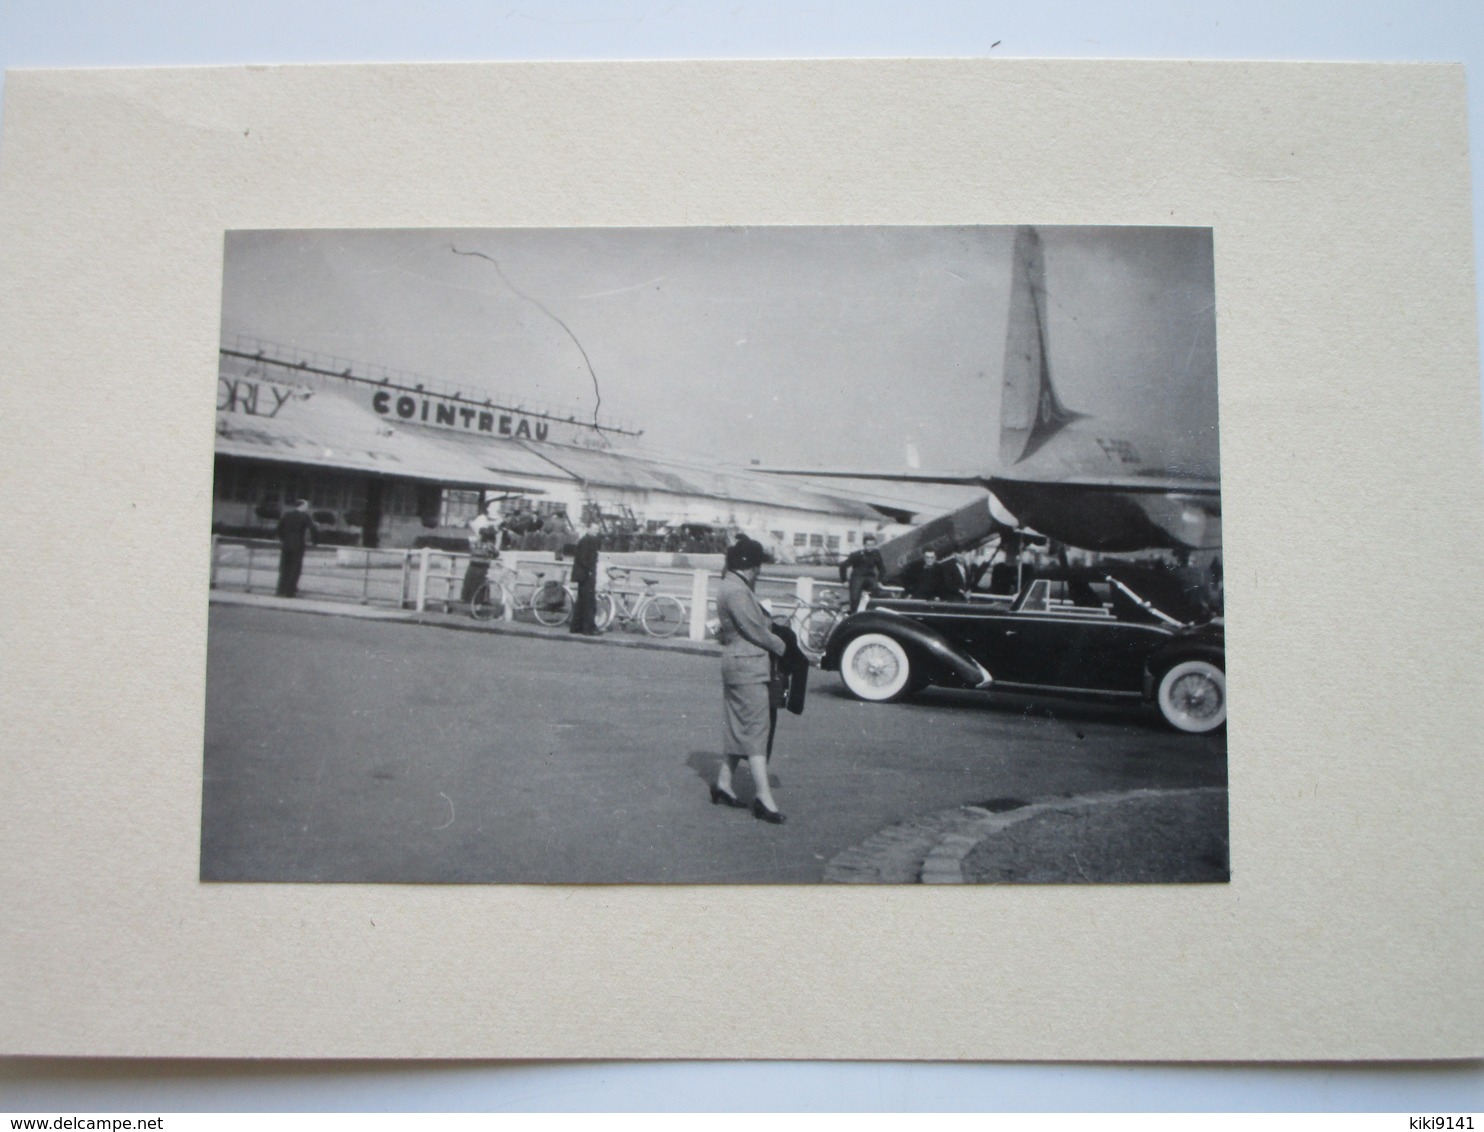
(746, 553)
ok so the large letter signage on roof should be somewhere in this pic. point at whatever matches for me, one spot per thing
(253, 398)
(448, 413)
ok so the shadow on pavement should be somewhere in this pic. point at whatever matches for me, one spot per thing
(707, 763)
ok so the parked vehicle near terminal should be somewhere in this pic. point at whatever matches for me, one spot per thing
(1112, 633)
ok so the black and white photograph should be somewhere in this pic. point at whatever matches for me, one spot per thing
(653, 511)
(746, 555)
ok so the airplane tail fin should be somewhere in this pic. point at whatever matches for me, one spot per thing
(1030, 411)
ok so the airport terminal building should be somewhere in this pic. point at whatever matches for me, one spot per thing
(392, 460)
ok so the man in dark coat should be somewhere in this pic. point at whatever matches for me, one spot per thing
(295, 534)
(951, 580)
(920, 578)
(585, 576)
(865, 568)
(976, 566)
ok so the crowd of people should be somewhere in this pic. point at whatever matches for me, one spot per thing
(929, 578)
(1004, 566)
(525, 529)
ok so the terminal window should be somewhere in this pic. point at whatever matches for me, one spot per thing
(458, 508)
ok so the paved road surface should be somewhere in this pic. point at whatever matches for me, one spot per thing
(345, 750)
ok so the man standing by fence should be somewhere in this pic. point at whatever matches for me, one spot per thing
(585, 576)
(295, 534)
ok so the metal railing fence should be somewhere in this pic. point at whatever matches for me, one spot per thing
(359, 574)
(429, 579)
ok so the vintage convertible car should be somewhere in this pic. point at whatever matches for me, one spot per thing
(1117, 634)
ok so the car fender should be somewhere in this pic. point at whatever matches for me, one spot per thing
(1176, 652)
(945, 662)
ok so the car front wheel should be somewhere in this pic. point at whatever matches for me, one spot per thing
(876, 668)
(1192, 696)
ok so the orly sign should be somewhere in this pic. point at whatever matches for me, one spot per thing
(252, 398)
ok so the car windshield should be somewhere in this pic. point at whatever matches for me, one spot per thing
(1142, 594)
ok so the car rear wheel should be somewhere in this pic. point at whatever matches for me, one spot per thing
(1192, 696)
(876, 668)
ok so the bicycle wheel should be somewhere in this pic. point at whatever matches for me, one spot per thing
(488, 603)
(603, 612)
(816, 630)
(551, 604)
(663, 616)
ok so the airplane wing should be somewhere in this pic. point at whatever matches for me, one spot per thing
(1134, 484)
(1106, 513)
(1117, 516)
(950, 479)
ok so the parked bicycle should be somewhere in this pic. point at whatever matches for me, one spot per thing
(549, 602)
(813, 622)
(659, 615)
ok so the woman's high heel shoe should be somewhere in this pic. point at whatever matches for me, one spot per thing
(762, 813)
(721, 797)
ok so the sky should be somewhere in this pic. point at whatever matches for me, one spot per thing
(863, 348)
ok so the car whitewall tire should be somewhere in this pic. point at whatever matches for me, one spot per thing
(875, 667)
(1192, 696)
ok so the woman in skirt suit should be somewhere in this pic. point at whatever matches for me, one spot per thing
(747, 640)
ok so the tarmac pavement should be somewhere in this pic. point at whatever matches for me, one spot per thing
(1149, 833)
